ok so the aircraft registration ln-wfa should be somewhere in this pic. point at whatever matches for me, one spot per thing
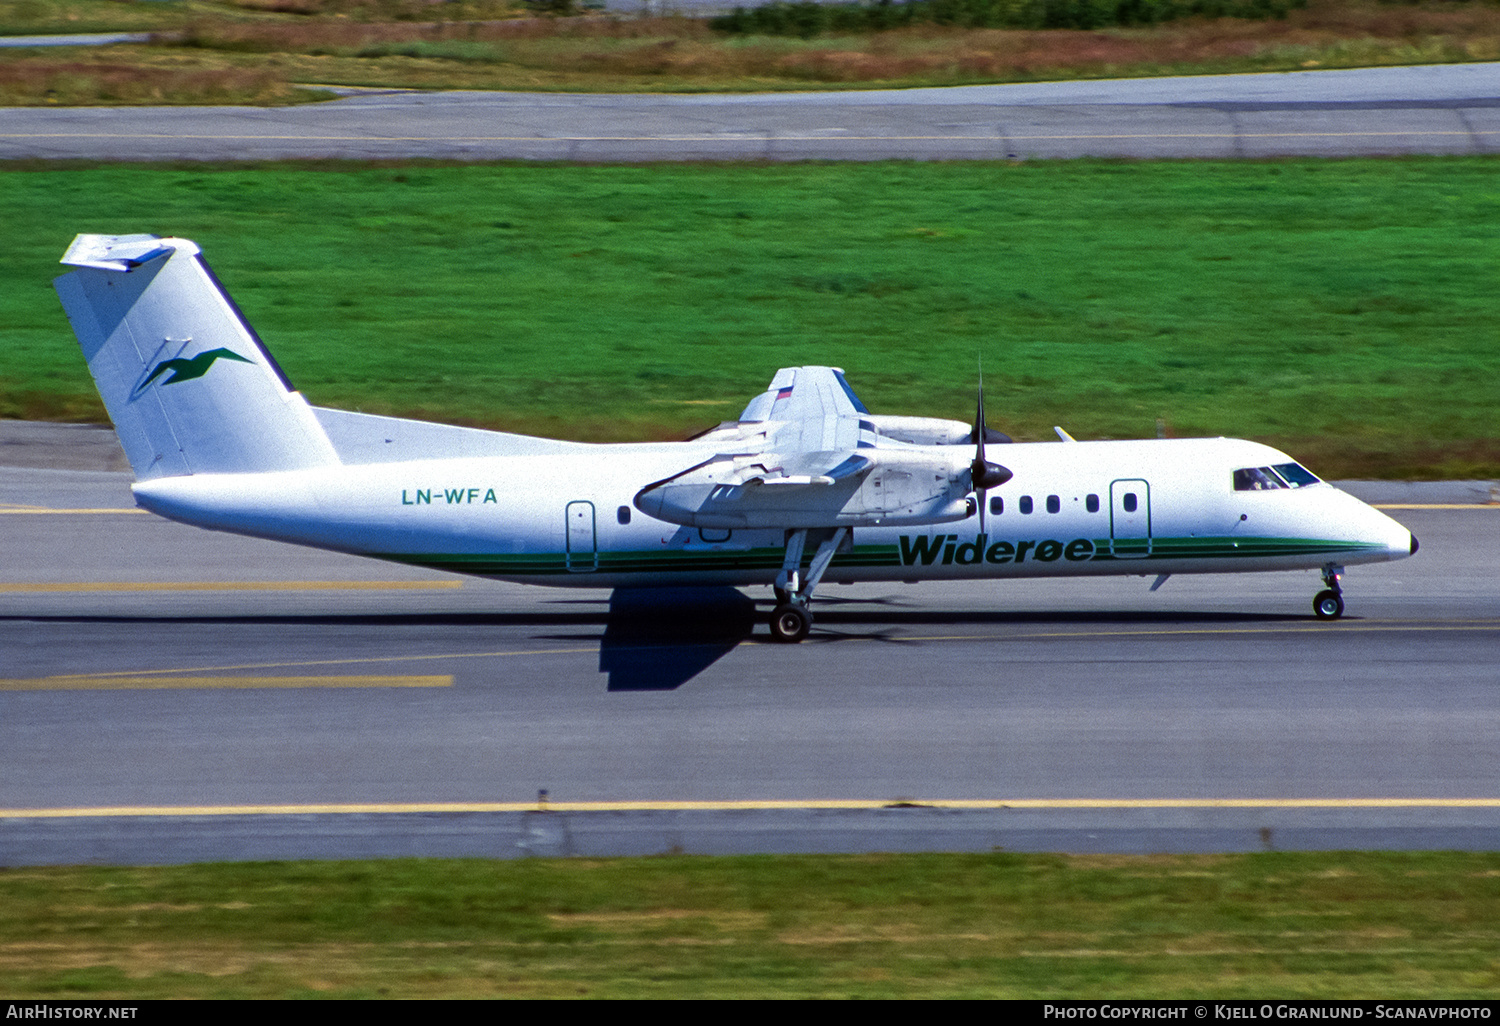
(806, 484)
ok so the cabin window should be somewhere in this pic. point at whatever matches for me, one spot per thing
(1257, 479)
(623, 514)
(1129, 502)
(997, 505)
(1025, 504)
(1053, 504)
(1092, 503)
(1295, 475)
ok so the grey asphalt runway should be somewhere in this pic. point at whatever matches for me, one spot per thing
(1448, 109)
(171, 694)
(76, 39)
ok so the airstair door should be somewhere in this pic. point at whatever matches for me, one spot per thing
(1130, 518)
(583, 540)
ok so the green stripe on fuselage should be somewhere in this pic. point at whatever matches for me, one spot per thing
(648, 561)
(1239, 548)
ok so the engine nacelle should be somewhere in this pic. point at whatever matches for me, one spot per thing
(921, 430)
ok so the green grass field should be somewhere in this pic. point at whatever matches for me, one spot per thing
(1343, 310)
(1277, 925)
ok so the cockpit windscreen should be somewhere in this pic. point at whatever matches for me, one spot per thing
(1264, 479)
(1296, 475)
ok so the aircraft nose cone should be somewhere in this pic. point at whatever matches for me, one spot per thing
(1414, 545)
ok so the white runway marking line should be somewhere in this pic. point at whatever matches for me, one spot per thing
(90, 586)
(996, 804)
(157, 682)
(1291, 628)
(731, 138)
(20, 510)
(15, 509)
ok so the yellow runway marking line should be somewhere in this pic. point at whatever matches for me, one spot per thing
(154, 682)
(998, 804)
(1436, 505)
(73, 586)
(592, 649)
(328, 662)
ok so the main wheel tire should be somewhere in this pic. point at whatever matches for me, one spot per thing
(1328, 605)
(790, 623)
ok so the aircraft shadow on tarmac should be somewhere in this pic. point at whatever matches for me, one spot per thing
(657, 639)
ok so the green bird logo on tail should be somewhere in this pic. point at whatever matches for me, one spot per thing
(187, 370)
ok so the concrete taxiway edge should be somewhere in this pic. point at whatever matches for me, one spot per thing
(1142, 828)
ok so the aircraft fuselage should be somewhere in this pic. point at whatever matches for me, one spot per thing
(568, 519)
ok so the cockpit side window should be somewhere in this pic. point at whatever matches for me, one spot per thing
(1296, 475)
(1257, 479)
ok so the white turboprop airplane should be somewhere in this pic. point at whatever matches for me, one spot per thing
(806, 484)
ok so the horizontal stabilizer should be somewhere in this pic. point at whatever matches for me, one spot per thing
(363, 438)
(115, 252)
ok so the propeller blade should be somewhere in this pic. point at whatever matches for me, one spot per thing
(977, 468)
(977, 436)
(984, 475)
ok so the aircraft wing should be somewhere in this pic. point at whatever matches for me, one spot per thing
(816, 489)
(814, 409)
(815, 457)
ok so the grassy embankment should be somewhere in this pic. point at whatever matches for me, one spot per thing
(1342, 310)
(256, 51)
(1255, 926)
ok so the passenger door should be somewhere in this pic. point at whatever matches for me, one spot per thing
(1130, 518)
(583, 540)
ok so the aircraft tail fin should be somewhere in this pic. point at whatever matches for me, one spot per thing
(187, 382)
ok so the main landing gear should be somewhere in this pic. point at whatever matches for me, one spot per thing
(791, 619)
(1328, 604)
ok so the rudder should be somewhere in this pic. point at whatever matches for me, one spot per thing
(187, 382)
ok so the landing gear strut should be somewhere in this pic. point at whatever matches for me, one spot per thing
(791, 619)
(1329, 603)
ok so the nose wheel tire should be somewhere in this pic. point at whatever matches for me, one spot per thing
(1328, 605)
(790, 623)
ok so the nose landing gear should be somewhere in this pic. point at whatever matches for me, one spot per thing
(1329, 603)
